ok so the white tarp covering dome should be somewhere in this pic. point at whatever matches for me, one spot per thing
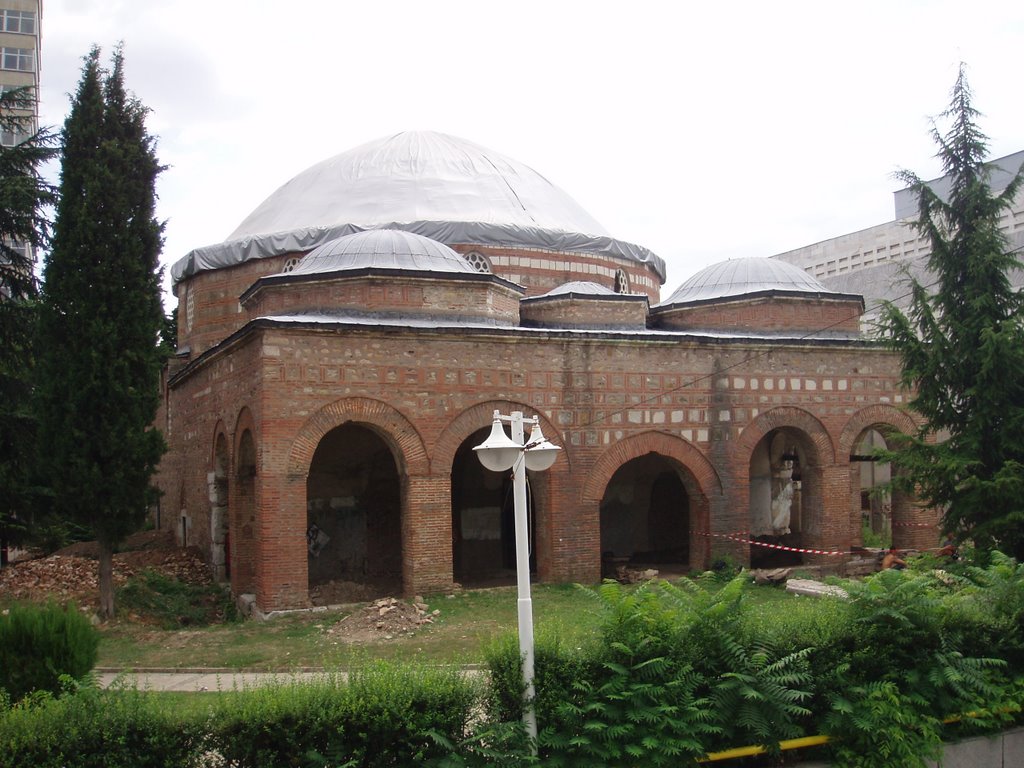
(737, 277)
(581, 287)
(432, 184)
(382, 249)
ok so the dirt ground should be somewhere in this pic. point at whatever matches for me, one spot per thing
(70, 574)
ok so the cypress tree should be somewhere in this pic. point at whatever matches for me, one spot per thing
(23, 228)
(101, 315)
(962, 347)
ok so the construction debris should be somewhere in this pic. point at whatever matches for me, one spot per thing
(71, 574)
(386, 618)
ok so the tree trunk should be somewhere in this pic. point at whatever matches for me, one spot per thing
(106, 579)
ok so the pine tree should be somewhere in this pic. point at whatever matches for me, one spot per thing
(101, 316)
(962, 347)
(23, 228)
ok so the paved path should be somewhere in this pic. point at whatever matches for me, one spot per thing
(201, 680)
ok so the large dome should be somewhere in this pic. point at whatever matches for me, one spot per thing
(738, 277)
(445, 188)
(382, 249)
(418, 176)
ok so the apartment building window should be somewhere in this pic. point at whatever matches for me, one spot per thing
(18, 59)
(11, 138)
(18, 22)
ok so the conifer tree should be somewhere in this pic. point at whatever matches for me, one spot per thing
(101, 316)
(962, 347)
(24, 194)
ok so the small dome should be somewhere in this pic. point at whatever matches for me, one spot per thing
(738, 277)
(580, 287)
(382, 249)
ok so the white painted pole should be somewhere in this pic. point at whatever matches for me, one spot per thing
(525, 602)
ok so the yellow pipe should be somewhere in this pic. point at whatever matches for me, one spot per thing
(808, 741)
(729, 754)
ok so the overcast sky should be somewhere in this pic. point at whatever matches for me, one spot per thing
(703, 132)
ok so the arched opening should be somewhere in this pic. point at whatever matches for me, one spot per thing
(353, 518)
(220, 537)
(243, 518)
(873, 498)
(779, 513)
(483, 519)
(645, 519)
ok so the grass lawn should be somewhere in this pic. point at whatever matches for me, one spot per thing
(467, 621)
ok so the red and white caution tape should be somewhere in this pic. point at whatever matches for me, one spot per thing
(784, 548)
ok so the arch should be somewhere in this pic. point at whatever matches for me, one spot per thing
(873, 416)
(445, 461)
(218, 483)
(897, 515)
(703, 472)
(352, 516)
(243, 423)
(393, 427)
(795, 418)
(220, 433)
(479, 416)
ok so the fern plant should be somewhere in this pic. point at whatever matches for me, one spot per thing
(645, 713)
(874, 726)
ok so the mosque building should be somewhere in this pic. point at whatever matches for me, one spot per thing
(343, 351)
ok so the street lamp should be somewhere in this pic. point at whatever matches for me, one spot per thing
(498, 453)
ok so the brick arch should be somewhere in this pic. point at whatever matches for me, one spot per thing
(873, 416)
(220, 430)
(243, 422)
(794, 418)
(481, 415)
(707, 479)
(395, 429)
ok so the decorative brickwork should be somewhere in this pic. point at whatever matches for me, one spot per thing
(392, 426)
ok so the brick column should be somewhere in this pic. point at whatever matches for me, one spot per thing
(426, 534)
(282, 579)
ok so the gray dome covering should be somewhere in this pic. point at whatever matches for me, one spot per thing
(435, 185)
(738, 277)
(382, 249)
(580, 287)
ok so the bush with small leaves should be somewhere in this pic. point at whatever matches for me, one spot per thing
(39, 643)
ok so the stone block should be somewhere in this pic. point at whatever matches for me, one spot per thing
(1013, 748)
(980, 752)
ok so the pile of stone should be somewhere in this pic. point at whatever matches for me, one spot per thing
(386, 618)
(74, 577)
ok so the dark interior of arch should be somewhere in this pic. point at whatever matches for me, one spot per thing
(645, 518)
(353, 518)
(483, 520)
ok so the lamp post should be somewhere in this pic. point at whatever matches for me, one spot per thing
(498, 453)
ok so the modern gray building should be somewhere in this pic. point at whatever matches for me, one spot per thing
(871, 262)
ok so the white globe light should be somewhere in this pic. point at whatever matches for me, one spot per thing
(540, 453)
(498, 452)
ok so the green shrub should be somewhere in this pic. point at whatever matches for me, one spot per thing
(173, 604)
(90, 728)
(385, 715)
(38, 644)
(874, 726)
(557, 667)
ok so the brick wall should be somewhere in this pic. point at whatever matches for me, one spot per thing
(767, 313)
(604, 398)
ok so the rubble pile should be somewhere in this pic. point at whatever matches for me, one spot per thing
(386, 618)
(71, 574)
(341, 592)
